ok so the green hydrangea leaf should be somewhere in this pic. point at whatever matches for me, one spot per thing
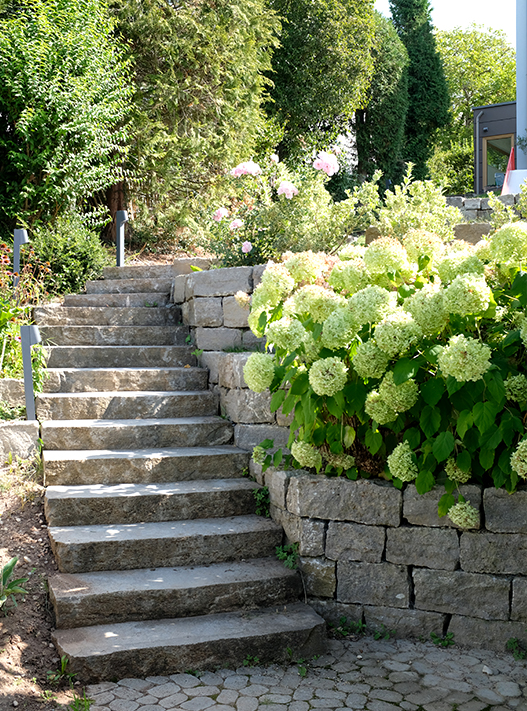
(432, 391)
(445, 503)
(373, 441)
(443, 446)
(484, 414)
(464, 461)
(464, 422)
(277, 399)
(425, 482)
(486, 458)
(404, 370)
(430, 420)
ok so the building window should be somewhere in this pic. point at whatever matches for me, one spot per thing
(496, 152)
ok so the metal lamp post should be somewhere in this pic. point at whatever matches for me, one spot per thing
(20, 239)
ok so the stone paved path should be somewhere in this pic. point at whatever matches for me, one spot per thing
(361, 674)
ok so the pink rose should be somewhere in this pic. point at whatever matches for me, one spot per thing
(246, 247)
(248, 168)
(220, 213)
(236, 224)
(326, 162)
(288, 189)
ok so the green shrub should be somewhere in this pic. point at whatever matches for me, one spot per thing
(72, 253)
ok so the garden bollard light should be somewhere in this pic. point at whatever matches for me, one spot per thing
(30, 336)
(20, 239)
(121, 217)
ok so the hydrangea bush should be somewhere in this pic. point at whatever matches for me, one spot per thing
(404, 360)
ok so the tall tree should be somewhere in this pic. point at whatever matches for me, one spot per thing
(428, 107)
(379, 128)
(322, 69)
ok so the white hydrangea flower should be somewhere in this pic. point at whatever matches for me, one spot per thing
(464, 359)
(483, 251)
(328, 375)
(306, 455)
(344, 461)
(339, 329)
(305, 267)
(420, 243)
(467, 294)
(454, 473)
(378, 409)
(352, 251)
(316, 301)
(508, 245)
(349, 276)
(519, 459)
(464, 515)
(259, 455)
(242, 299)
(253, 319)
(287, 333)
(386, 255)
(264, 297)
(401, 463)
(397, 332)
(401, 397)
(276, 280)
(516, 388)
(369, 361)
(427, 308)
(372, 304)
(459, 261)
(258, 371)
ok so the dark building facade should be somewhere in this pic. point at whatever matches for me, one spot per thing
(494, 137)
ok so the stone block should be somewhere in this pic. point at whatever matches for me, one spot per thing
(371, 234)
(472, 203)
(505, 513)
(472, 232)
(18, 437)
(484, 204)
(284, 420)
(507, 199)
(319, 576)
(216, 339)
(252, 342)
(354, 541)
(462, 593)
(245, 406)
(219, 282)
(405, 623)
(12, 391)
(289, 522)
(468, 214)
(504, 553)
(231, 370)
(485, 634)
(234, 315)
(178, 289)
(250, 436)
(421, 509)
(333, 611)
(454, 201)
(361, 501)
(383, 584)
(183, 265)
(213, 360)
(425, 547)
(205, 312)
(257, 274)
(277, 482)
(312, 536)
(519, 600)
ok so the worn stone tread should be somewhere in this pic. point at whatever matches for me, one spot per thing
(117, 300)
(58, 315)
(92, 504)
(80, 549)
(124, 434)
(69, 380)
(119, 356)
(114, 335)
(162, 646)
(123, 404)
(125, 595)
(130, 286)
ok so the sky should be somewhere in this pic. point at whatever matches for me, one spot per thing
(447, 14)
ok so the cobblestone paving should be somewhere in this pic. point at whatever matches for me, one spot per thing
(363, 674)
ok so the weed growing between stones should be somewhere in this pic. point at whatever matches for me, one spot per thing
(518, 652)
(446, 641)
(261, 496)
(22, 477)
(288, 554)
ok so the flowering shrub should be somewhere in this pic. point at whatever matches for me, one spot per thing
(391, 370)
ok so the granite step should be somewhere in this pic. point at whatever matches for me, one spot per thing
(98, 504)
(120, 356)
(58, 315)
(83, 549)
(133, 300)
(130, 434)
(153, 285)
(114, 335)
(75, 380)
(122, 404)
(109, 597)
(181, 265)
(142, 466)
(155, 647)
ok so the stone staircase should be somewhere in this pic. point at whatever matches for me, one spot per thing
(164, 565)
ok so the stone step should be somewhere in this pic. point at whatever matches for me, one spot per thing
(83, 549)
(155, 647)
(117, 300)
(162, 285)
(131, 433)
(72, 467)
(58, 315)
(74, 380)
(110, 597)
(114, 335)
(119, 356)
(97, 504)
(122, 404)
(182, 265)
